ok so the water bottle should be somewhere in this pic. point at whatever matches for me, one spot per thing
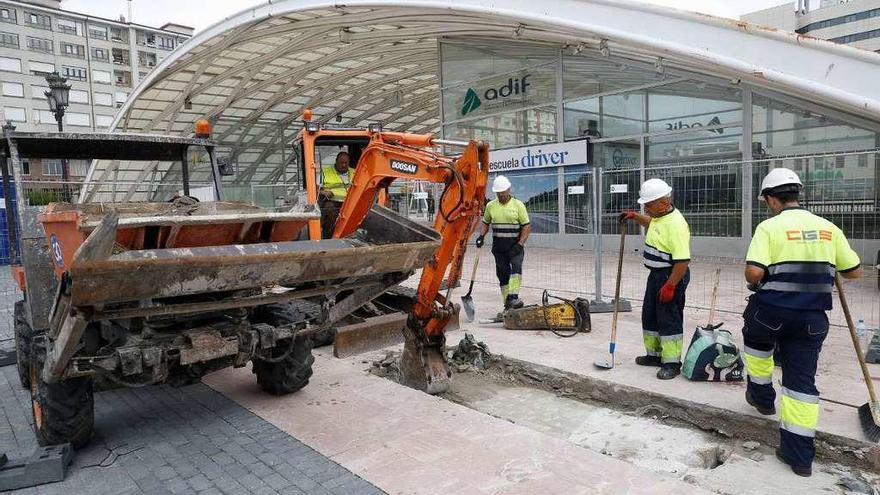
(863, 334)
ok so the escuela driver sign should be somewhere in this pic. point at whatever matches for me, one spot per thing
(535, 156)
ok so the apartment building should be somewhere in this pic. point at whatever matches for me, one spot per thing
(102, 59)
(848, 22)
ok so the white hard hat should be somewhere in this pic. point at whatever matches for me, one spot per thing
(653, 189)
(780, 177)
(501, 184)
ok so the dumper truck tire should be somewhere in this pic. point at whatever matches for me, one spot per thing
(289, 368)
(22, 344)
(63, 411)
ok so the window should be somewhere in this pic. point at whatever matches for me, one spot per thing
(100, 54)
(69, 27)
(10, 64)
(120, 57)
(14, 114)
(41, 68)
(78, 96)
(146, 59)
(39, 21)
(51, 167)
(8, 15)
(38, 92)
(98, 32)
(72, 50)
(78, 168)
(166, 43)
(40, 45)
(122, 78)
(148, 39)
(103, 99)
(44, 117)
(78, 119)
(9, 40)
(117, 34)
(103, 121)
(13, 89)
(102, 76)
(74, 73)
(25, 167)
(120, 98)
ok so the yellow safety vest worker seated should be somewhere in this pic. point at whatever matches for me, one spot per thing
(337, 178)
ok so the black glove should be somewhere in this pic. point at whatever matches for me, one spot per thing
(754, 287)
(517, 249)
(481, 240)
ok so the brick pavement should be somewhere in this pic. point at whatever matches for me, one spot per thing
(161, 440)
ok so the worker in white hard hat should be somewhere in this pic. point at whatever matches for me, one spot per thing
(510, 230)
(667, 255)
(791, 265)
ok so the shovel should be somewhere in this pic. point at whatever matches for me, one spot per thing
(609, 363)
(467, 302)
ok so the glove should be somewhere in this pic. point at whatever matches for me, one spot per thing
(667, 292)
(754, 287)
(627, 215)
(481, 240)
(517, 249)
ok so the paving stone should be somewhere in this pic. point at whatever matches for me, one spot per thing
(165, 440)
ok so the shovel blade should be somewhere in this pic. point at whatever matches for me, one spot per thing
(604, 364)
(467, 302)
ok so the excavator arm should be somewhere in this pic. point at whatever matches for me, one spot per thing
(391, 156)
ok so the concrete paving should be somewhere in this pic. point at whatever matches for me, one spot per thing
(839, 377)
(162, 440)
(406, 442)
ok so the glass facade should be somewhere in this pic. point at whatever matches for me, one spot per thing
(686, 129)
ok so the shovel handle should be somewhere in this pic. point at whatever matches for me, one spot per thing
(474, 273)
(714, 296)
(855, 339)
(622, 226)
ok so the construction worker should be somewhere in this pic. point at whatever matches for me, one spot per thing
(510, 230)
(336, 180)
(667, 254)
(791, 264)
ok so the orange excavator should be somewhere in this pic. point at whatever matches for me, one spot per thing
(382, 157)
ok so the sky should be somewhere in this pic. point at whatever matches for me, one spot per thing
(202, 13)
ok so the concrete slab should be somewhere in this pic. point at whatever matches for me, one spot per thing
(839, 377)
(404, 441)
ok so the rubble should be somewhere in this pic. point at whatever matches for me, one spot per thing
(471, 354)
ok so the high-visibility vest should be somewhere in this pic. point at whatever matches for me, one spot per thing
(667, 241)
(506, 219)
(800, 253)
(335, 183)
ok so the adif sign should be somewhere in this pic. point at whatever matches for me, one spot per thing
(539, 156)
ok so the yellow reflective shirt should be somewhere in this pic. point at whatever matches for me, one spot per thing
(801, 252)
(336, 183)
(506, 219)
(667, 241)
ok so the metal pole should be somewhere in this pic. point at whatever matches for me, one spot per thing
(597, 217)
(184, 168)
(65, 175)
(215, 172)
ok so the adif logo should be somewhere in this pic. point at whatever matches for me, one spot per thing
(404, 167)
(471, 102)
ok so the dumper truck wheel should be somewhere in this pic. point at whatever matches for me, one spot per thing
(63, 411)
(22, 344)
(288, 369)
(291, 372)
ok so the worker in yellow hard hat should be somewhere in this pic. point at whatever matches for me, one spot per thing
(667, 254)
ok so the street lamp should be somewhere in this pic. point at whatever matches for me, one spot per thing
(58, 97)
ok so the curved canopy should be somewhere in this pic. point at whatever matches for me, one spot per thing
(366, 61)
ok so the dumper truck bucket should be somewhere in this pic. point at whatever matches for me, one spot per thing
(158, 255)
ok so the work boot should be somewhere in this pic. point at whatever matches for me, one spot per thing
(648, 361)
(806, 472)
(516, 302)
(669, 371)
(766, 411)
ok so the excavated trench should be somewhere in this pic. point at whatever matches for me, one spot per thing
(707, 446)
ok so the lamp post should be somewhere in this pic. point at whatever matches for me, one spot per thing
(58, 97)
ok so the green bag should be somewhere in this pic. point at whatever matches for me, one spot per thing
(712, 356)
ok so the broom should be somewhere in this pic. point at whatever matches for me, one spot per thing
(869, 414)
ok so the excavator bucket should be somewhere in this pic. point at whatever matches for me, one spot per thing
(155, 255)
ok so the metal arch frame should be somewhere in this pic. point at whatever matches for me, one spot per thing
(768, 59)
